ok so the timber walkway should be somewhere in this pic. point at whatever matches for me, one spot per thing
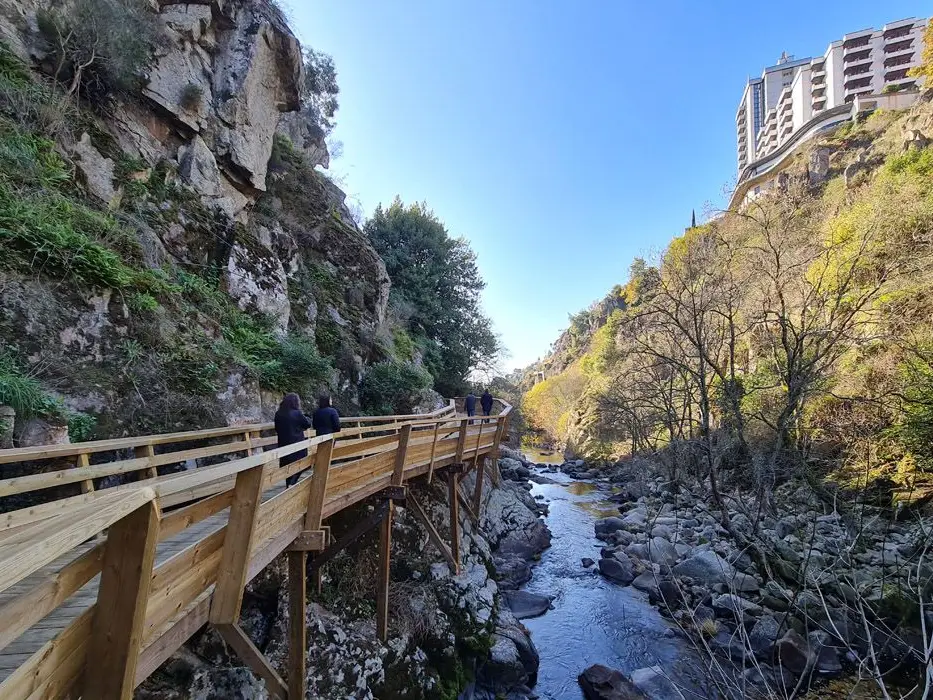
(121, 577)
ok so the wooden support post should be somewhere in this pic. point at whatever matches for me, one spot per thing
(398, 476)
(433, 534)
(479, 436)
(297, 634)
(437, 428)
(247, 651)
(318, 485)
(234, 563)
(382, 585)
(461, 441)
(454, 505)
(120, 615)
(250, 436)
(479, 473)
(84, 460)
(149, 452)
(494, 453)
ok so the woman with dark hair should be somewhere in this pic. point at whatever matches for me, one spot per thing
(326, 420)
(290, 427)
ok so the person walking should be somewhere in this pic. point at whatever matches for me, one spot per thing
(326, 420)
(469, 403)
(486, 402)
(290, 427)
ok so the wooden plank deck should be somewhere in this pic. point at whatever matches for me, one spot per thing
(47, 636)
(46, 629)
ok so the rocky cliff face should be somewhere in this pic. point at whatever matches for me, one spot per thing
(238, 251)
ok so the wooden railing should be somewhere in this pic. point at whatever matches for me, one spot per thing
(180, 548)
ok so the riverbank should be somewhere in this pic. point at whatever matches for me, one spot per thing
(814, 593)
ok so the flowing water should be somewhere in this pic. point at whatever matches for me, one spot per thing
(593, 620)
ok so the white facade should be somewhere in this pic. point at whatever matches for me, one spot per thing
(792, 92)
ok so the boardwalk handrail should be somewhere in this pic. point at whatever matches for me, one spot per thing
(146, 460)
(229, 520)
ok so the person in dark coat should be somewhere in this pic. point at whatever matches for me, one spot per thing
(469, 403)
(326, 420)
(290, 427)
(486, 402)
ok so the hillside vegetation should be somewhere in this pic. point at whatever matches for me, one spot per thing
(793, 336)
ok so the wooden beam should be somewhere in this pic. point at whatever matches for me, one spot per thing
(257, 663)
(117, 629)
(319, 477)
(297, 633)
(398, 476)
(382, 584)
(453, 504)
(437, 429)
(146, 452)
(234, 563)
(357, 531)
(309, 541)
(465, 502)
(433, 534)
(84, 460)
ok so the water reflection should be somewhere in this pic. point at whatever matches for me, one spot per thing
(593, 621)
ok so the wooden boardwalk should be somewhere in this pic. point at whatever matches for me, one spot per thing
(179, 548)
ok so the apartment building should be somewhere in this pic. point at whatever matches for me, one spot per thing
(791, 94)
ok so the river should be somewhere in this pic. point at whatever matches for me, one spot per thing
(593, 620)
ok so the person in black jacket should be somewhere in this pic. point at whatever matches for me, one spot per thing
(469, 403)
(290, 427)
(486, 402)
(326, 420)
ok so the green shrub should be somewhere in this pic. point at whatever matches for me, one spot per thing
(295, 365)
(141, 301)
(915, 162)
(393, 388)
(23, 392)
(81, 426)
(191, 96)
(100, 46)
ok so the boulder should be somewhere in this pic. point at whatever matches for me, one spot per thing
(827, 655)
(661, 551)
(730, 605)
(647, 582)
(525, 605)
(818, 167)
(511, 571)
(587, 562)
(706, 567)
(37, 432)
(620, 571)
(763, 636)
(602, 683)
(606, 526)
(793, 652)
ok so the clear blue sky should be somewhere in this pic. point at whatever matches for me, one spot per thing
(562, 139)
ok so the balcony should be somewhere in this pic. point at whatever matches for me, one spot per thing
(859, 59)
(898, 47)
(856, 42)
(898, 33)
(896, 75)
(857, 82)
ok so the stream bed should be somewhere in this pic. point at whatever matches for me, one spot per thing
(594, 620)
